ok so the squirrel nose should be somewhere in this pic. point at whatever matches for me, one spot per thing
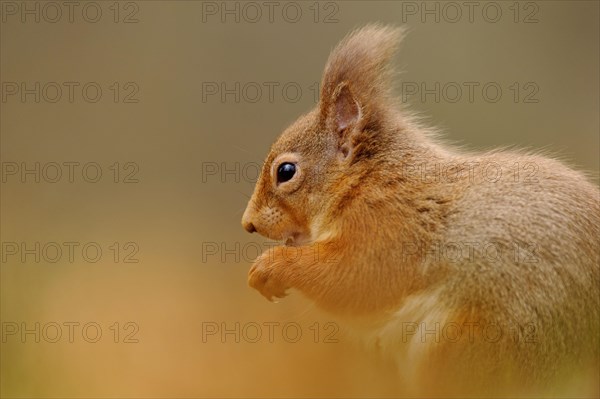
(247, 220)
(249, 227)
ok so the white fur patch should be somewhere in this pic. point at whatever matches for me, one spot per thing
(410, 333)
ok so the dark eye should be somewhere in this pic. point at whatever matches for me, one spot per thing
(285, 172)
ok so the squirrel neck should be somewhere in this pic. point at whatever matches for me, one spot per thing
(384, 200)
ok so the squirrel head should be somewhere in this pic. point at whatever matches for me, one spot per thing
(314, 160)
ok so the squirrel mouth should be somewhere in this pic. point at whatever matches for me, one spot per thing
(295, 240)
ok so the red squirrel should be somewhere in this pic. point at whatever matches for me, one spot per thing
(479, 280)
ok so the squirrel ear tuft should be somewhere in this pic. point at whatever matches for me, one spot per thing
(356, 82)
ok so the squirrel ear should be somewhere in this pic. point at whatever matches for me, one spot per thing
(346, 110)
(343, 116)
(356, 81)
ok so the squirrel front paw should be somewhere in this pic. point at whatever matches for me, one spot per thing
(264, 277)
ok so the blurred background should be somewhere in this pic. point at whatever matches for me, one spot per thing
(131, 137)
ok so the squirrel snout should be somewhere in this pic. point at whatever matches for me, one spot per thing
(248, 226)
(247, 223)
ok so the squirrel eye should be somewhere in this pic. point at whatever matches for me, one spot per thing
(285, 172)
